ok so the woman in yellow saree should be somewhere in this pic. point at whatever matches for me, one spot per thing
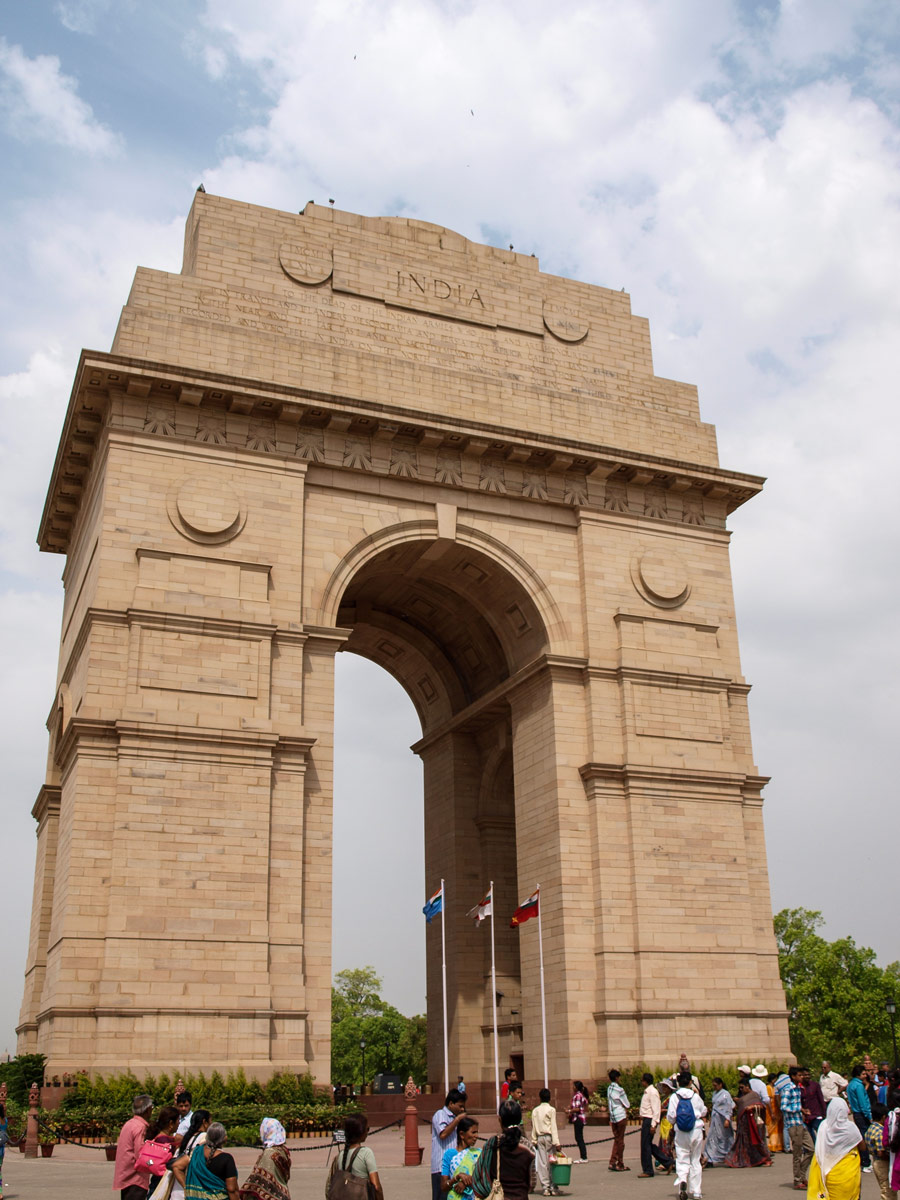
(835, 1169)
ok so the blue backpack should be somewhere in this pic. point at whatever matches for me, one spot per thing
(685, 1118)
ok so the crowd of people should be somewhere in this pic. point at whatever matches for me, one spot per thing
(834, 1128)
(181, 1155)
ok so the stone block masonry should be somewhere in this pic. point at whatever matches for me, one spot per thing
(337, 433)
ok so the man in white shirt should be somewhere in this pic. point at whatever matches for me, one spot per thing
(830, 1082)
(183, 1103)
(688, 1142)
(649, 1113)
(545, 1136)
(618, 1104)
(755, 1079)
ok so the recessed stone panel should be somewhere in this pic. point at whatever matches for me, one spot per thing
(190, 662)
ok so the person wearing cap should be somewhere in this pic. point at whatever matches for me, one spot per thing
(757, 1079)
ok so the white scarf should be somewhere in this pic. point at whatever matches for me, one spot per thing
(837, 1136)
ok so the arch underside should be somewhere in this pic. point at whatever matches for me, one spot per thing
(449, 623)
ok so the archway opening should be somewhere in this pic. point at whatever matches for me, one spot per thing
(454, 627)
(378, 868)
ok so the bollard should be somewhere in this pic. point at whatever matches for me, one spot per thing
(31, 1125)
(412, 1156)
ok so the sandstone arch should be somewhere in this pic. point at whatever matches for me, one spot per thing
(331, 431)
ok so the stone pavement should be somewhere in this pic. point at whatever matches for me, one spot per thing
(73, 1173)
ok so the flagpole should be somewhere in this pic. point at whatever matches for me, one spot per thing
(543, 1004)
(444, 977)
(494, 1006)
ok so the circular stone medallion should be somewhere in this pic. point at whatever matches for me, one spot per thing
(306, 264)
(207, 509)
(565, 323)
(661, 578)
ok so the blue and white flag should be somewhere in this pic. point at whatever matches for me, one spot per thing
(435, 905)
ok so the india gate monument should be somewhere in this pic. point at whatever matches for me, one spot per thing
(336, 433)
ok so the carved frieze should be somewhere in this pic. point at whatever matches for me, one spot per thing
(448, 469)
(211, 428)
(160, 419)
(575, 489)
(358, 454)
(534, 485)
(310, 444)
(404, 461)
(616, 499)
(493, 478)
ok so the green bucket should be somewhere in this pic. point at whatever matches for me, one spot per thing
(561, 1174)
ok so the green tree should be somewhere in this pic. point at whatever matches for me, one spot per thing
(836, 993)
(20, 1073)
(394, 1043)
(357, 989)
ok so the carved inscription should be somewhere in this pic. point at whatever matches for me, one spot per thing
(412, 336)
(418, 284)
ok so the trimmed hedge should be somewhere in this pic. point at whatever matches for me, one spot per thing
(98, 1108)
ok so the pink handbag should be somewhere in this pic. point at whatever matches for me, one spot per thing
(154, 1157)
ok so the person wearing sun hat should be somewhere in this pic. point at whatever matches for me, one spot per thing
(758, 1075)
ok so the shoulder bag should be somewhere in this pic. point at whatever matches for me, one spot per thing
(342, 1184)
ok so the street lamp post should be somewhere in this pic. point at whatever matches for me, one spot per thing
(891, 1007)
(362, 1047)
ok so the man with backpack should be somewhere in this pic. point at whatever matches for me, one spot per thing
(686, 1112)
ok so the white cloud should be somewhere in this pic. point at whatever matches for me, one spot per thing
(42, 103)
(81, 16)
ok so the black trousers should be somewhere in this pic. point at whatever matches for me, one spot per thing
(649, 1149)
(578, 1130)
(862, 1125)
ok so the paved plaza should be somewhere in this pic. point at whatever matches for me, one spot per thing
(74, 1173)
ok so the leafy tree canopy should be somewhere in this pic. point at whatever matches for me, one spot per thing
(836, 993)
(394, 1044)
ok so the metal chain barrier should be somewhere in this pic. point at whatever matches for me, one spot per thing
(574, 1145)
(316, 1145)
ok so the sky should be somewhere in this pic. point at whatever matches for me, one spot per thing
(735, 166)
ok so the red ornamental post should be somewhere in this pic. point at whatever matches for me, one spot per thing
(31, 1126)
(412, 1156)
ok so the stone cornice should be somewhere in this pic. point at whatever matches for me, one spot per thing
(187, 623)
(105, 1010)
(47, 804)
(663, 678)
(668, 1014)
(248, 747)
(686, 781)
(353, 434)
